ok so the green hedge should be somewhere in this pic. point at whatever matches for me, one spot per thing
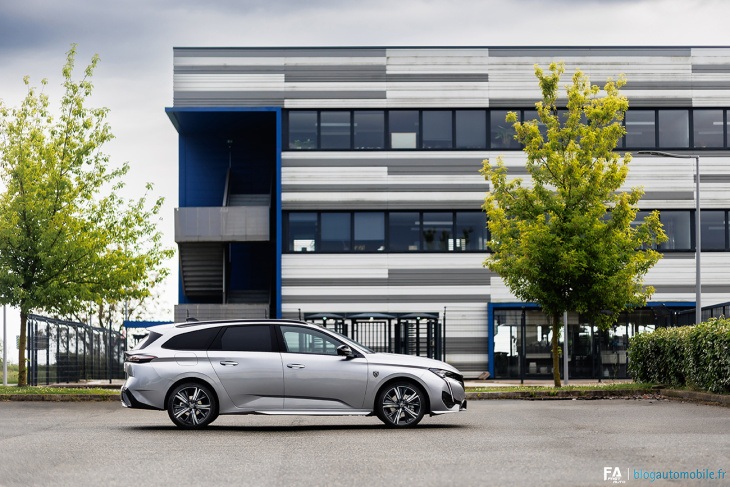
(696, 356)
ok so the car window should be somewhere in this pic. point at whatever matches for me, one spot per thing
(150, 338)
(303, 340)
(249, 338)
(194, 340)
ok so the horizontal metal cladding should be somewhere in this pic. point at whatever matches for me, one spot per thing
(403, 277)
(714, 178)
(382, 205)
(676, 85)
(556, 52)
(686, 288)
(371, 188)
(711, 68)
(389, 298)
(416, 164)
(279, 52)
(252, 97)
(660, 101)
(668, 195)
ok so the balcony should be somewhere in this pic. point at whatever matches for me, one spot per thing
(246, 223)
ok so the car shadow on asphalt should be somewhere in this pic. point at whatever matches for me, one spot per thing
(293, 428)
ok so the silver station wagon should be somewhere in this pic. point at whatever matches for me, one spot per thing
(198, 370)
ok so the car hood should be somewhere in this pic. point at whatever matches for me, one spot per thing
(409, 361)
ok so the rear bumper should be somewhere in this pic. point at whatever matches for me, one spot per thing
(129, 401)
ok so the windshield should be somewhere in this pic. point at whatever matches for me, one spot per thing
(350, 341)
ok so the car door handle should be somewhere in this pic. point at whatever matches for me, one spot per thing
(295, 366)
(227, 363)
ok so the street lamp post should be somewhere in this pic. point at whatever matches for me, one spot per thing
(698, 230)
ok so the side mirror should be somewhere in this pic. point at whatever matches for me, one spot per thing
(345, 351)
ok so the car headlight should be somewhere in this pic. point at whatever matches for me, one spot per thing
(447, 373)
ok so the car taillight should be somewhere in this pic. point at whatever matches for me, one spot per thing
(139, 358)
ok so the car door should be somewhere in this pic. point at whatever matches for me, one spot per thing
(315, 377)
(248, 364)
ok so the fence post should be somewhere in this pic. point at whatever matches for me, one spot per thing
(109, 351)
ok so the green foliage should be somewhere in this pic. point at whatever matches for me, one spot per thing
(36, 390)
(67, 237)
(565, 239)
(696, 356)
(12, 373)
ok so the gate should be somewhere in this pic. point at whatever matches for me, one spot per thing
(65, 351)
(411, 334)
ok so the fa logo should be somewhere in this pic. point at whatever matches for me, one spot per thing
(612, 473)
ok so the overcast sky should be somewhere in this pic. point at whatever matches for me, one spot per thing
(134, 39)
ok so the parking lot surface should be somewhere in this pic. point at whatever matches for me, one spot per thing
(493, 443)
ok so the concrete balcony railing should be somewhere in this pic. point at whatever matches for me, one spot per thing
(222, 224)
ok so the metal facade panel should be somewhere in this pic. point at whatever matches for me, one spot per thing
(222, 224)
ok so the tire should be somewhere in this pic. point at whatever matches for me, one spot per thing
(192, 405)
(401, 404)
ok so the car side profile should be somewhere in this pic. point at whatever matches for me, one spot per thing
(198, 370)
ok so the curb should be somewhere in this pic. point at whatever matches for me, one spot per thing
(61, 397)
(694, 396)
(699, 397)
(553, 395)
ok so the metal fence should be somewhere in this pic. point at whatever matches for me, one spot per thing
(407, 333)
(65, 351)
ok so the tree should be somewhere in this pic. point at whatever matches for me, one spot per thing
(66, 236)
(566, 240)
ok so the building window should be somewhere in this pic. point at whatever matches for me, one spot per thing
(437, 129)
(471, 231)
(678, 228)
(335, 232)
(471, 129)
(712, 228)
(404, 230)
(467, 129)
(369, 129)
(640, 129)
(674, 128)
(502, 133)
(403, 126)
(707, 129)
(369, 234)
(302, 130)
(302, 232)
(335, 130)
(438, 230)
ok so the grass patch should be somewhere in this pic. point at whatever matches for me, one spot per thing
(4, 390)
(553, 390)
(12, 373)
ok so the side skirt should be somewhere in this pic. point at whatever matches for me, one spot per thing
(317, 412)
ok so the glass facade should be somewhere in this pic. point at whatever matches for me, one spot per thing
(407, 231)
(523, 343)
(369, 129)
(335, 130)
(462, 231)
(479, 129)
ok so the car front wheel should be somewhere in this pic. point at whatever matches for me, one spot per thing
(191, 406)
(401, 405)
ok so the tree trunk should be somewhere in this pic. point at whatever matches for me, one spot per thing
(556, 352)
(22, 370)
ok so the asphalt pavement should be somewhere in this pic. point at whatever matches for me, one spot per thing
(565, 442)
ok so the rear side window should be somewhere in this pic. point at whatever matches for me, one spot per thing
(250, 338)
(193, 340)
(150, 338)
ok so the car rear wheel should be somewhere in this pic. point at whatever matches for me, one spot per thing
(192, 405)
(400, 405)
